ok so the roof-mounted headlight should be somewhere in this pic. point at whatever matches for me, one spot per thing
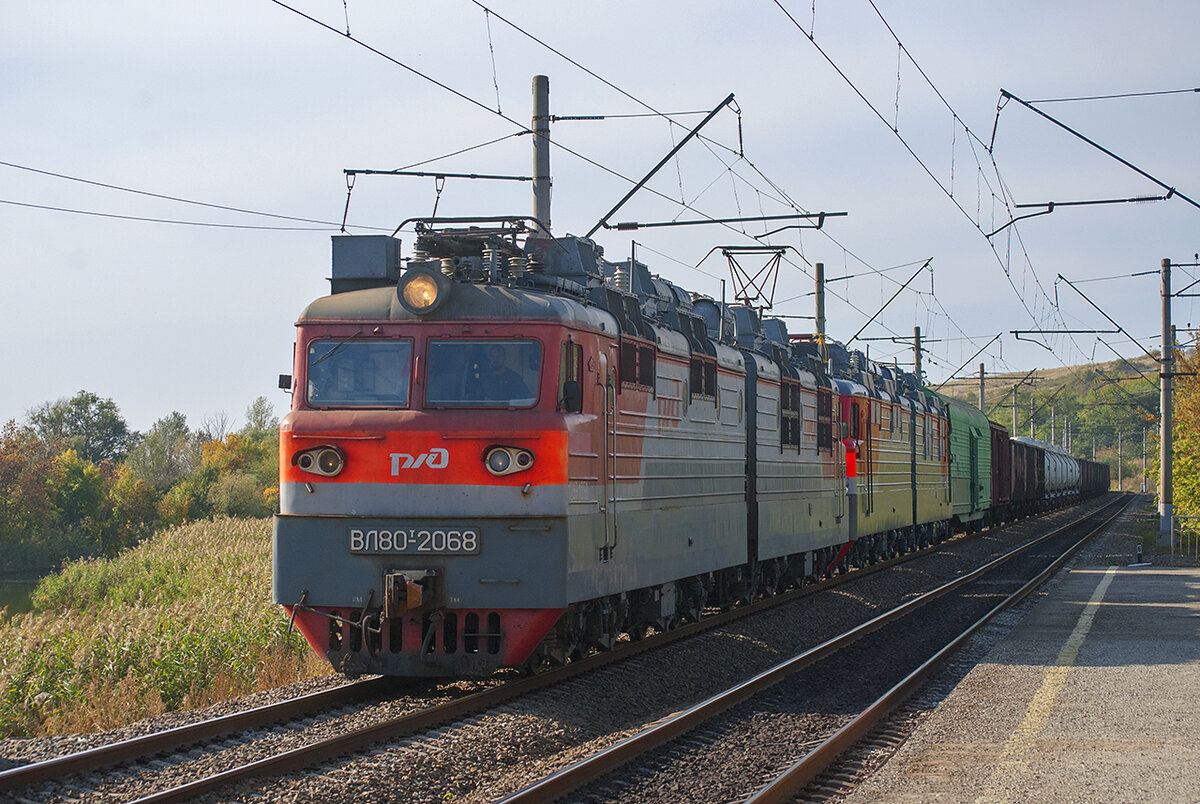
(422, 289)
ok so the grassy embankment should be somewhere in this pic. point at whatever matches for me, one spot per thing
(183, 620)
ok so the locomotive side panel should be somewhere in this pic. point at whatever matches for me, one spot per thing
(890, 467)
(799, 493)
(931, 468)
(674, 491)
(970, 461)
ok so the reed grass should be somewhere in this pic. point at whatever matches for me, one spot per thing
(184, 620)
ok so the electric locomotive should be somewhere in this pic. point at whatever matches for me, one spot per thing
(514, 451)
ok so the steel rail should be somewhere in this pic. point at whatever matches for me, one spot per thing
(176, 738)
(791, 781)
(414, 722)
(171, 739)
(572, 777)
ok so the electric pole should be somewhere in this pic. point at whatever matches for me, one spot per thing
(821, 305)
(1166, 507)
(541, 155)
(917, 353)
(982, 408)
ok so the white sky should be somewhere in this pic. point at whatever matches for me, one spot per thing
(248, 105)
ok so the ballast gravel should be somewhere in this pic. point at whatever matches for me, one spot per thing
(498, 752)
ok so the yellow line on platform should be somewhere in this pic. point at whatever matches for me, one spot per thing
(1017, 750)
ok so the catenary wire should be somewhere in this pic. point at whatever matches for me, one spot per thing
(701, 138)
(172, 198)
(486, 108)
(1114, 97)
(332, 226)
(915, 156)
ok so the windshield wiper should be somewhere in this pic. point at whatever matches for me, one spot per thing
(335, 349)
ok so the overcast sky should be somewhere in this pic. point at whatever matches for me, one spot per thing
(249, 105)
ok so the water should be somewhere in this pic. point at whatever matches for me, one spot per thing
(15, 592)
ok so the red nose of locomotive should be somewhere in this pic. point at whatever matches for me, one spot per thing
(420, 542)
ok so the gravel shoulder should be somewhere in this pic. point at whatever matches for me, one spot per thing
(1075, 703)
(485, 757)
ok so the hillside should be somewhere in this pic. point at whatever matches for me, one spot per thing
(1097, 410)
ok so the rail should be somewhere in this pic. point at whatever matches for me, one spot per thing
(572, 777)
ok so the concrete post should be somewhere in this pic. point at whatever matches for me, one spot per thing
(541, 154)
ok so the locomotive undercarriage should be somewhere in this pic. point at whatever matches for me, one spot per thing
(461, 642)
(599, 624)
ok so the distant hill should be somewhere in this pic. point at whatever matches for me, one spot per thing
(1095, 410)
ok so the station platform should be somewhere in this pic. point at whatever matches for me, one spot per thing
(1093, 695)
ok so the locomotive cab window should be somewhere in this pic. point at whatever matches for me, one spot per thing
(483, 373)
(350, 373)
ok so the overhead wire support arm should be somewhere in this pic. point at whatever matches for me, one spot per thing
(1130, 363)
(969, 359)
(1050, 206)
(436, 175)
(1004, 93)
(1012, 387)
(603, 222)
(820, 216)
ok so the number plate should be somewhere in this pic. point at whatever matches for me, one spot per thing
(415, 541)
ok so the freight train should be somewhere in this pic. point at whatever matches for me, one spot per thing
(506, 450)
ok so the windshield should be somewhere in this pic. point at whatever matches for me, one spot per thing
(352, 373)
(483, 374)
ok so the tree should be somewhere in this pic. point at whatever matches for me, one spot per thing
(91, 426)
(77, 488)
(246, 465)
(26, 506)
(1185, 453)
(261, 422)
(166, 454)
(133, 511)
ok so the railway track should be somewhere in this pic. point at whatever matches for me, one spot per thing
(170, 748)
(660, 757)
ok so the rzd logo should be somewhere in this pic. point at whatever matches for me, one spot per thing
(437, 458)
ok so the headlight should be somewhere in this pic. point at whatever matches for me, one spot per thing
(325, 461)
(422, 289)
(502, 461)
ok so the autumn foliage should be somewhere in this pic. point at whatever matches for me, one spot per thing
(75, 481)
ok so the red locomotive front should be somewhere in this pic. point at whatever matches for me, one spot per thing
(424, 473)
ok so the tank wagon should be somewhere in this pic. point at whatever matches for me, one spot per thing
(513, 451)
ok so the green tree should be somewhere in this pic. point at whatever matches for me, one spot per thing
(166, 454)
(1185, 454)
(92, 426)
(261, 422)
(78, 490)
